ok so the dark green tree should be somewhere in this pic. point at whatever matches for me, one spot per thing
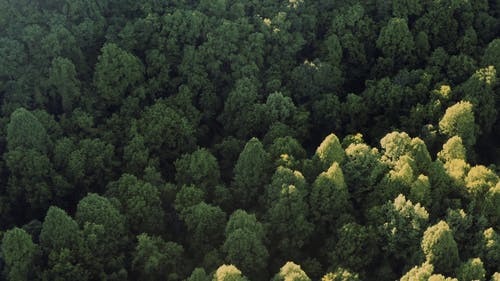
(401, 225)
(422, 46)
(282, 177)
(13, 57)
(492, 54)
(354, 27)
(397, 181)
(100, 254)
(199, 274)
(334, 49)
(280, 109)
(355, 111)
(18, 252)
(167, 134)
(492, 204)
(460, 68)
(135, 153)
(59, 238)
(244, 244)
(355, 247)
(329, 197)
(117, 73)
(104, 236)
(205, 225)
(64, 84)
(241, 113)
(199, 168)
(140, 203)
(98, 210)
(396, 41)
(287, 152)
(420, 153)
(289, 227)
(240, 219)
(490, 246)
(479, 91)
(188, 196)
(58, 230)
(26, 132)
(89, 166)
(362, 169)
(470, 270)
(405, 8)
(244, 249)
(327, 112)
(27, 160)
(250, 173)
(155, 259)
(63, 265)
(29, 180)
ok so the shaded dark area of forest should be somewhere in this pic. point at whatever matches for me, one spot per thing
(236, 140)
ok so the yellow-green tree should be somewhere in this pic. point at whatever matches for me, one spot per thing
(440, 248)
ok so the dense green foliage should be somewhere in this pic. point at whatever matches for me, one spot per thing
(237, 140)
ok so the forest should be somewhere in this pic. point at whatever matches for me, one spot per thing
(249, 140)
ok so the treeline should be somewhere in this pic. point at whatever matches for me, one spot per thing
(191, 140)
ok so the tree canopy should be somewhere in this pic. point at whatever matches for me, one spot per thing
(249, 140)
